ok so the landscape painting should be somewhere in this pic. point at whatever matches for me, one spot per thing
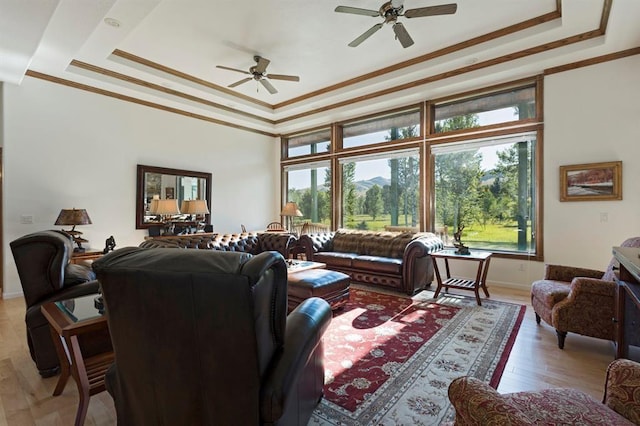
(591, 182)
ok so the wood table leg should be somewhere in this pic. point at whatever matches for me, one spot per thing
(80, 375)
(438, 277)
(65, 371)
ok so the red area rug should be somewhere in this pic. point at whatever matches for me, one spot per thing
(389, 359)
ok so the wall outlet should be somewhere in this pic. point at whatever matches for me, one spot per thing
(604, 217)
(522, 267)
(26, 219)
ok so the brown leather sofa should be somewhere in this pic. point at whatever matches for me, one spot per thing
(42, 260)
(397, 260)
(246, 242)
(203, 338)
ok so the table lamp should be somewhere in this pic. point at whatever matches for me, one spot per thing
(195, 208)
(74, 217)
(290, 210)
(165, 208)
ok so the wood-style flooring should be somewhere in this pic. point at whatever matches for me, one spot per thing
(535, 363)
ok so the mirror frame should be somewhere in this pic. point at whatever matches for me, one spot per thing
(140, 190)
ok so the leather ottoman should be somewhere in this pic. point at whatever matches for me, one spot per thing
(329, 285)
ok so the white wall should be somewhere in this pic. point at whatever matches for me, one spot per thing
(67, 148)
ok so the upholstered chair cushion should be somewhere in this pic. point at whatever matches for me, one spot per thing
(476, 403)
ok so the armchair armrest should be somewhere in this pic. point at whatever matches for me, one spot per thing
(477, 403)
(568, 273)
(313, 243)
(621, 389)
(305, 326)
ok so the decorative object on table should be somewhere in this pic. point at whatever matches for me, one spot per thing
(109, 245)
(74, 217)
(591, 182)
(289, 211)
(165, 209)
(457, 241)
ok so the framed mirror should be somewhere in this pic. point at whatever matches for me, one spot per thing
(161, 183)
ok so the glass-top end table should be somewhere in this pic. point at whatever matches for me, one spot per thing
(82, 308)
(71, 321)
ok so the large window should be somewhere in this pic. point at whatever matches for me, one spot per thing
(487, 189)
(307, 144)
(489, 109)
(309, 186)
(381, 191)
(400, 125)
(474, 167)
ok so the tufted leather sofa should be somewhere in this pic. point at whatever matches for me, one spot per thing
(246, 242)
(397, 260)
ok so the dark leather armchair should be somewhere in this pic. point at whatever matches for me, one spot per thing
(42, 260)
(203, 338)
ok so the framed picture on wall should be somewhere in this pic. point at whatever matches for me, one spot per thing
(169, 193)
(591, 182)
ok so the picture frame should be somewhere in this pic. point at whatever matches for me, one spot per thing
(591, 182)
(169, 193)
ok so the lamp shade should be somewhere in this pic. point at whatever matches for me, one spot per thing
(290, 209)
(165, 207)
(73, 217)
(194, 207)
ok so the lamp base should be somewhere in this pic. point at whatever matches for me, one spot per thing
(79, 250)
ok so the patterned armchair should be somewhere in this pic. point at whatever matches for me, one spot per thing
(577, 300)
(476, 403)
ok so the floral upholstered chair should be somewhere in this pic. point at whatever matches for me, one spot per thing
(578, 300)
(476, 403)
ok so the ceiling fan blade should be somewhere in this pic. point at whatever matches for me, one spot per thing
(283, 77)
(238, 83)
(402, 35)
(268, 86)
(443, 9)
(365, 35)
(262, 64)
(231, 69)
(357, 11)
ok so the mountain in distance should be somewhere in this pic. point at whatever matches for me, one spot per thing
(362, 186)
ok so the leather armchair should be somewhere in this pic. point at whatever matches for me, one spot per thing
(476, 403)
(578, 300)
(42, 261)
(203, 337)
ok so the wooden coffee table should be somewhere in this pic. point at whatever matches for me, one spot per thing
(481, 257)
(70, 320)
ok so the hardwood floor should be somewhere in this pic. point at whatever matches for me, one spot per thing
(535, 363)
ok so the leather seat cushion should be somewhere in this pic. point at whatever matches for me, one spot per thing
(316, 283)
(333, 258)
(378, 264)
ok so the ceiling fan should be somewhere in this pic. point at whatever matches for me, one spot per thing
(390, 12)
(258, 72)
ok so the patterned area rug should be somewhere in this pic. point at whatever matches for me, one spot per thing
(389, 359)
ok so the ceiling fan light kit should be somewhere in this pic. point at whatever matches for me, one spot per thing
(258, 73)
(390, 12)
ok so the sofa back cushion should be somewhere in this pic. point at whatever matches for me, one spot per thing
(374, 243)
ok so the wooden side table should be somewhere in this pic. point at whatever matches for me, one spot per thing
(481, 257)
(71, 321)
(89, 255)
